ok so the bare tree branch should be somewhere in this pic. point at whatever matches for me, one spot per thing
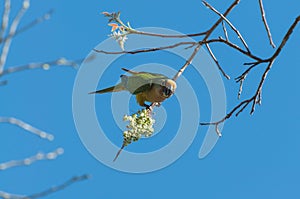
(27, 127)
(168, 36)
(243, 76)
(116, 18)
(286, 37)
(30, 25)
(59, 187)
(234, 46)
(5, 18)
(47, 192)
(270, 60)
(187, 63)
(219, 40)
(245, 102)
(229, 9)
(229, 23)
(263, 15)
(43, 65)
(225, 31)
(256, 98)
(28, 161)
(216, 61)
(5, 195)
(148, 49)
(208, 33)
(12, 31)
(5, 41)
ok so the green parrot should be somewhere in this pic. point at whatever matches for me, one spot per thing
(150, 87)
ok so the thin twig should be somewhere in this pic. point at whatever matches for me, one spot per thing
(244, 106)
(167, 36)
(286, 37)
(263, 15)
(116, 17)
(216, 61)
(5, 195)
(204, 40)
(241, 86)
(59, 187)
(187, 63)
(229, 23)
(225, 31)
(228, 115)
(47, 192)
(28, 161)
(261, 83)
(243, 76)
(229, 9)
(256, 98)
(30, 25)
(27, 127)
(146, 50)
(192, 44)
(120, 150)
(42, 65)
(12, 31)
(5, 19)
(234, 46)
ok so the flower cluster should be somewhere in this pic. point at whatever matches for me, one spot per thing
(118, 28)
(140, 124)
(119, 34)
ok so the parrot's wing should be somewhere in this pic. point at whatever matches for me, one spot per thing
(146, 75)
(142, 88)
(142, 81)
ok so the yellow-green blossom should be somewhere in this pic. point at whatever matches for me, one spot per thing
(140, 125)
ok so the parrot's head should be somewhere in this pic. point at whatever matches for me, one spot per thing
(168, 88)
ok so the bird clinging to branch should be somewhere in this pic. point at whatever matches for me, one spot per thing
(150, 87)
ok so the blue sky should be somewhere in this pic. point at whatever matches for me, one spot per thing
(257, 157)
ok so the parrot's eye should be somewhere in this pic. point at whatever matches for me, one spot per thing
(167, 91)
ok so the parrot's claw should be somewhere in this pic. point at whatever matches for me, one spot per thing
(148, 107)
(158, 104)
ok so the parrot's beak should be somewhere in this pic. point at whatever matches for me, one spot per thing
(167, 92)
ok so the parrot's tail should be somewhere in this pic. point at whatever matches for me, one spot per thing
(118, 87)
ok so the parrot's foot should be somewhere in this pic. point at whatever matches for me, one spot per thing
(148, 107)
(157, 104)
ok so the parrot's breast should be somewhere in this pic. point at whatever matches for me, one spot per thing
(152, 95)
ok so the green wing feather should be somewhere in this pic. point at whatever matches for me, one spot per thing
(141, 81)
(136, 83)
